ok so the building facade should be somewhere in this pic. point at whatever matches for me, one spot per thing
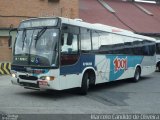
(139, 17)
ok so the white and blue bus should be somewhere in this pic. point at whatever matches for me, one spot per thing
(61, 53)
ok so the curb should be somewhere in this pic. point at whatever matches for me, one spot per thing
(5, 68)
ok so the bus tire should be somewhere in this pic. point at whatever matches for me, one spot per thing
(137, 74)
(158, 66)
(85, 84)
(92, 80)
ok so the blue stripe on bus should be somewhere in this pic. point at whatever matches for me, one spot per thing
(83, 62)
(132, 61)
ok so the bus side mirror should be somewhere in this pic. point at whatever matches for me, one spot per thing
(10, 37)
(10, 42)
(69, 39)
(62, 40)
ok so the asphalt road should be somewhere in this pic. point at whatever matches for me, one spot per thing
(116, 97)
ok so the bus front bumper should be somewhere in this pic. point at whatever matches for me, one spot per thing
(14, 81)
(37, 85)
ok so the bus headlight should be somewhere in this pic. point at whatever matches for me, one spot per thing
(13, 75)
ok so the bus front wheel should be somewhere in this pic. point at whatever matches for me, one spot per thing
(85, 84)
(137, 74)
(158, 66)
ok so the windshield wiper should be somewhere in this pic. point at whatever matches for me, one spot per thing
(39, 34)
(23, 37)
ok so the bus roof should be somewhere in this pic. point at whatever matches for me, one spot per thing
(103, 27)
(157, 41)
(97, 26)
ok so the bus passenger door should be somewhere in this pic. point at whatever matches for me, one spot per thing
(69, 60)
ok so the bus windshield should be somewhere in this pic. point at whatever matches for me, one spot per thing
(36, 47)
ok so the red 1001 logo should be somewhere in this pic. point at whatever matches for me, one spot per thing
(120, 64)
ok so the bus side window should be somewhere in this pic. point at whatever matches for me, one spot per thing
(69, 45)
(137, 49)
(128, 45)
(158, 48)
(85, 40)
(95, 40)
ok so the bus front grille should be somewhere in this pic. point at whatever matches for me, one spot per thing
(25, 77)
